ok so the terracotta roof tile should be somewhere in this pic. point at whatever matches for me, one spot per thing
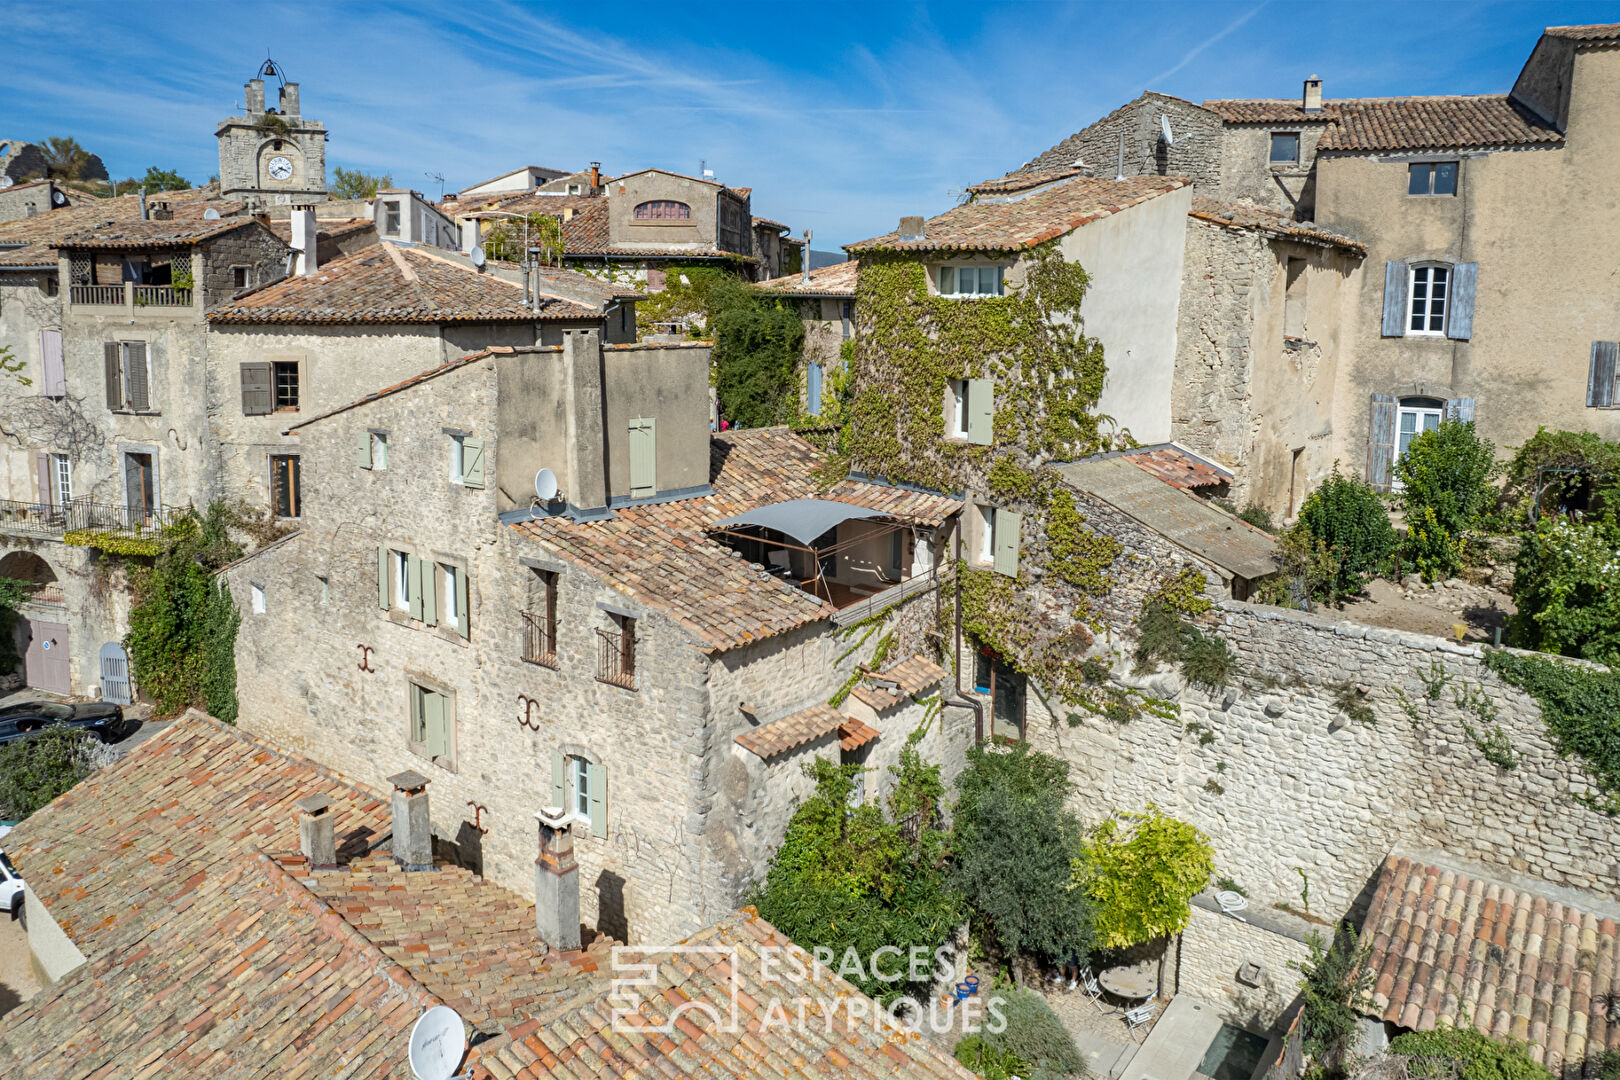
(1403, 123)
(1452, 948)
(1596, 32)
(661, 554)
(837, 280)
(904, 680)
(1024, 180)
(1022, 223)
(780, 736)
(1271, 223)
(38, 254)
(854, 734)
(1176, 466)
(389, 283)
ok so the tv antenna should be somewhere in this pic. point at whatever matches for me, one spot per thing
(440, 178)
(438, 1043)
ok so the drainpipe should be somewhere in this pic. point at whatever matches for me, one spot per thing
(962, 701)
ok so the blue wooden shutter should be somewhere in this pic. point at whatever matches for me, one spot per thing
(596, 781)
(1460, 308)
(1380, 441)
(812, 389)
(472, 463)
(1600, 376)
(1397, 282)
(559, 780)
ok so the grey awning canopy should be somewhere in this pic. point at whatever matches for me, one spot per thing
(801, 519)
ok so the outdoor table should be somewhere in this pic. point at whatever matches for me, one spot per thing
(1133, 982)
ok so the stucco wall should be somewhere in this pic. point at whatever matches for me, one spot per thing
(26, 308)
(1248, 174)
(53, 953)
(1135, 262)
(701, 230)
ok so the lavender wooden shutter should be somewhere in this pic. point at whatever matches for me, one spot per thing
(42, 463)
(1460, 307)
(1397, 282)
(50, 356)
(1381, 441)
(1600, 376)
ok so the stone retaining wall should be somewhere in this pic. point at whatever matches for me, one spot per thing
(1214, 949)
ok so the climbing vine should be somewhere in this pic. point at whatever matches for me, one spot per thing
(1579, 707)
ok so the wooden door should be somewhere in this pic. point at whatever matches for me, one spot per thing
(45, 663)
(140, 499)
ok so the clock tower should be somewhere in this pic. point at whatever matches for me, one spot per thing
(272, 156)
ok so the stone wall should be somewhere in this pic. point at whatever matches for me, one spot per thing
(84, 591)
(26, 201)
(255, 246)
(1195, 154)
(1283, 781)
(1214, 948)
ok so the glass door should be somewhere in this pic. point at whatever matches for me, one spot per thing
(1417, 415)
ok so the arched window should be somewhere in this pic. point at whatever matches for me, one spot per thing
(663, 210)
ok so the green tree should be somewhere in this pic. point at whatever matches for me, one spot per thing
(1016, 848)
(1350, 521)
(543, 231)
(1566, 589)
(36, 770)
(354, 184)
(157, 179)
(1144, 869)
(65, 159)
(13, 593)
(1336, 988)
(1444, 477)
(182, 627)
(851, 877)
(1573, 469)
(757, 344)
(1433, 1054)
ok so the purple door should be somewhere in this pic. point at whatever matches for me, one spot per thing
(45, 663)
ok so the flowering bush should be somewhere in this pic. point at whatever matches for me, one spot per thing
(1566, 586)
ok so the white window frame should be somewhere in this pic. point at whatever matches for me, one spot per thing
(247, 276)
(1421, 414)
(950, 274)
(379, 449)
(958, 420)
(258, 599)
(61, 479)
(1429, 316)
(447, 595)
(458, 448)
(399, 579)
(986, 553)
(579, 788)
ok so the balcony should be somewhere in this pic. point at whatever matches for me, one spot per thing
(539, 639)
(129, 295)
(110, 526)
(616, 657)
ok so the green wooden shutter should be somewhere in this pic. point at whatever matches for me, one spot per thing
(418, 714)
(1600, 375)
(1381, 441)
(643, 458)
(430, 594)
(1460, 305)
(462, 605)
(437, 723)
(135, 381)
(596, 780)
(981, 410)
(472, 463)
(382, 578)
(256, 392)
(115, 380)
(559, 780)
(362, 450)
(1007, 527)
(1397, 282)
(413, 584)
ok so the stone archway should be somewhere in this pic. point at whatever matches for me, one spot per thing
(27, 566)
(38, 647)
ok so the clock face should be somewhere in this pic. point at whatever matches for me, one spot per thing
(280, 168)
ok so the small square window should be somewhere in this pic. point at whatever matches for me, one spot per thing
(1432, 178)
(1285, 148)
(284, 376)
(258, 600)
(391, 218)
(242, 277)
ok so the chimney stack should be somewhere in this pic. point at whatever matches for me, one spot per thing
(1313, 94)
(586, 481)
(413, 832)
(596, 176)
(305, 240)
(315, 836)
(804, 267)
(911, 228)
(144, 216)
(556, 883)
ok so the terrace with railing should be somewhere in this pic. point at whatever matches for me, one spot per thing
(87, 518)
(616, 657)
(130, 295)
(539, 639)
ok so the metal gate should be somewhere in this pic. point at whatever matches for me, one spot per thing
(45, 664)
(115, 685)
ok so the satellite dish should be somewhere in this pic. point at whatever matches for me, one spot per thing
(478, 255)
(545, 485)
(210, 214)
(1164, 129)
(438, 1042)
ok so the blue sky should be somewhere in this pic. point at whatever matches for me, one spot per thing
(841, 117)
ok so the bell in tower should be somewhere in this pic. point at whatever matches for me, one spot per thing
(272, 156)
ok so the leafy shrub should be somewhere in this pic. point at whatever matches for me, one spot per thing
(1183, 591)
(1144, 869)
(1015, 846)
(988, 1061)
(1035, 1035)
(848, 877)
(1336, 988)
(1163, 637)
(757, 343)
(1349, 519)
(1481, 1057)
(35, 771)
(1566, 587)
(1307, 568)
(1590, 487)
(1580, 708)
(1608, 1065)
(1444, 477)
(13, 593)
(1160, 635)
(1258, 516)
(1206, 659)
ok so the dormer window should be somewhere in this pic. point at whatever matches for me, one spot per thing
(663, 210)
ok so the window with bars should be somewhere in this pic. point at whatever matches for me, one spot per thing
(663, 210)
(540, 619)
(285, 374)
(286, 493)
(616, 653)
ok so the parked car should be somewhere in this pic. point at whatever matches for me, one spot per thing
(11, 887)
(102, 719)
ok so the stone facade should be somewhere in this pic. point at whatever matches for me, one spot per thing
(1215, 948)
(1196, 151)
(27, 200)
(250, 144)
